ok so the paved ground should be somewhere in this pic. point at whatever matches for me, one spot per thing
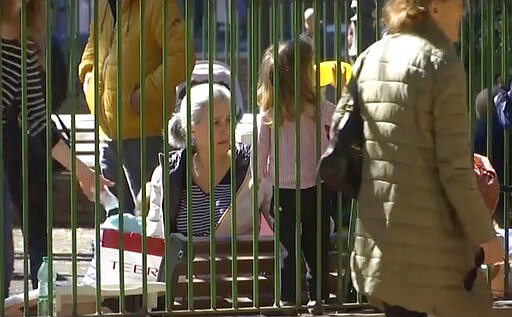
(62, 254)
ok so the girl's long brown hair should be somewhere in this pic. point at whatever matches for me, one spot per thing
(286, 85)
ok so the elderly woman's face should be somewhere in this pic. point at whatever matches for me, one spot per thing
(221, 127)
(448, 14)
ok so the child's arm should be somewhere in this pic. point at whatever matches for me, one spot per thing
(264, 135)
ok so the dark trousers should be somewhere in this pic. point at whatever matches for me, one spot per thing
(8, 251)
(308, 238)
(36, 235)
(130, 179)
(397, 311)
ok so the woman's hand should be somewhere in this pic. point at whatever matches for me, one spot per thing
(62, 153)
(87, 182)
(493, 250)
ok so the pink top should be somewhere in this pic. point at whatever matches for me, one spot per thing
(287, 161)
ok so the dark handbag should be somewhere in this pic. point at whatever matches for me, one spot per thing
(340, 165)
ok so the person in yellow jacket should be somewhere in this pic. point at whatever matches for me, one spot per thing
(109, 63)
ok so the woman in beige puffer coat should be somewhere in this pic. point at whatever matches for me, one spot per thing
(421, 216)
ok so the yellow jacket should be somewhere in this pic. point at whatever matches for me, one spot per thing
(106, 83)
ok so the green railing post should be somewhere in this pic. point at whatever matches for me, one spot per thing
(211, 181)
(275, 137)
(97, 210)
(48, 152)
(3, 198)
(118, 44)
(233, 107)
(24, 149)
(142, 112)
(505, 66)
(296, 29)
(72, 93)
(253, 56)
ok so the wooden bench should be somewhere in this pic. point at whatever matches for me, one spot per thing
(245, 275)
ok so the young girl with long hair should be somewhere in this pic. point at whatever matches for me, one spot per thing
(284, 126)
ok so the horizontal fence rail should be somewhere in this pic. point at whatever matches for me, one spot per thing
(155, 183)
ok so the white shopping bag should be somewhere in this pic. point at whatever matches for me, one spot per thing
(133, 268)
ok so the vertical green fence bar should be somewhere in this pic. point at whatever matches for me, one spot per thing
(118, 43)
(232, 62)
(318, 131)
(211, 183)
(165, 167)
(229, 23)
(488, 76)
(48, 114)
(204, 30)
(190, 248)
(212, 28)
(72, 94)
(142, 112)
(24, 149)
(324, 31)
(97, 210)
(485, 35)
(253, 57)
(296, 29)
(338, 57)
(467, 41)
(505, 59)
(3, 176)
(343, 266)
(275, 137)
(355, 203)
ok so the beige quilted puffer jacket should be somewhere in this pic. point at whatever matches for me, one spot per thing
(421, 216)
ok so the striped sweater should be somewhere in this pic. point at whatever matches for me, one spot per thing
(12, 89)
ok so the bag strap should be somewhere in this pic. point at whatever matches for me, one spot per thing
(113, 9)
(64, 130)
(352, 86)
(350, 95)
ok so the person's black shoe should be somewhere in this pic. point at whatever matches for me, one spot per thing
(315, 307)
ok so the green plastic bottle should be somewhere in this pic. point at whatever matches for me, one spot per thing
(44, 301)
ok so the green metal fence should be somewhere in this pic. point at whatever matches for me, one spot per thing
(237, 33)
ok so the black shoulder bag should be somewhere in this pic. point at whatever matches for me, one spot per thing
(340, 165)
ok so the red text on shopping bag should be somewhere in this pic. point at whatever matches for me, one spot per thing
(132, 246)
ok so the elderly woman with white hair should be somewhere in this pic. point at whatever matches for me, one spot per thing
(221, 152)
(421, 217)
